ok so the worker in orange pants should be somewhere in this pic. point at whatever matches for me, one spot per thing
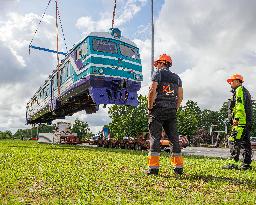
(164, 98)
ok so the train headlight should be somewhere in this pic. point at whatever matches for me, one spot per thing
(101, 71)
(95, 70)
(138, 77)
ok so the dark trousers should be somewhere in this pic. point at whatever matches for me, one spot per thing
(159, 119)
(242, 146)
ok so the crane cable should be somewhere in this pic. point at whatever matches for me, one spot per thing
(114, 13)
(30, 44)
(62, 31)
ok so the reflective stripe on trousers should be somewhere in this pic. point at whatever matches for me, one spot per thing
(153, 160)
(177, 160)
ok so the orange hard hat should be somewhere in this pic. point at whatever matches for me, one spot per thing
(164, 58)
(235, 77)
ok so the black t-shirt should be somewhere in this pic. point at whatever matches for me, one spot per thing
(160, 74)
(167, 88)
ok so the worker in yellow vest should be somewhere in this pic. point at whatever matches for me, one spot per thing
(240, 116)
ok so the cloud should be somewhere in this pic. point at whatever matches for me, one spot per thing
(126, 10)
(22, 74)
(209, 41)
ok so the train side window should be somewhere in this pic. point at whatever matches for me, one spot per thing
(55, 82)
(61, 77)
(84, 49)
(70, 70)
(78, 53)
(43, 90)
(67, 70)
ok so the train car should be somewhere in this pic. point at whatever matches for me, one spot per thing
(103, 68)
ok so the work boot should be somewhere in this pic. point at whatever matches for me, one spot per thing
(152, 172)
(245, 167)
(178, 170)
(230, 166)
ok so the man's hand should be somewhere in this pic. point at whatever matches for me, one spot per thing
(235, 122)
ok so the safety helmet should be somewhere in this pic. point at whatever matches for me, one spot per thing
(164, 58)
(235, 77)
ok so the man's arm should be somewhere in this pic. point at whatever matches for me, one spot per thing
(180, 97)
(152, 94)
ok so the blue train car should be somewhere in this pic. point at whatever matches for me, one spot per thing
(104, 68)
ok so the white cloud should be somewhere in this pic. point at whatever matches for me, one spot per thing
(126, 10)
(21, 74)
(209, 41)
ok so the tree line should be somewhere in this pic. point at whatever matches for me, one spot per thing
(192, 120)
(131, 121)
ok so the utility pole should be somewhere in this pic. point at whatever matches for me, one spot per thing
(152, 37)
(57, 44)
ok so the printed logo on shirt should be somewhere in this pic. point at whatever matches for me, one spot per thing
(168, 89)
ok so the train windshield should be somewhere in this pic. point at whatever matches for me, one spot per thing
(105, 46)
(129, 51)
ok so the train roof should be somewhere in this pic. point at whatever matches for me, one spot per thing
(103, 35)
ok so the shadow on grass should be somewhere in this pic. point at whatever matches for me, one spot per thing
(234, 181)
(209, 178)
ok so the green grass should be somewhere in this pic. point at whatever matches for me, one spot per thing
(32, 173)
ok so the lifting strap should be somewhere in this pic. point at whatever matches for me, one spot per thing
(62, 31)
(114, 13)
(47, 50)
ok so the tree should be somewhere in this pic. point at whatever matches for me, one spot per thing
(20, 134)
(188, 118)
(82, 129)
(128, 120)
(5, 134)
(187, 122)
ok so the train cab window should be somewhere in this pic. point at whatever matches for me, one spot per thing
(106, 46)
(129, 51)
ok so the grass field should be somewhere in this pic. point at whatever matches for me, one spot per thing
(32, 173)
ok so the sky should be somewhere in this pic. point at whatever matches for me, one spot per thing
(207, 40)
